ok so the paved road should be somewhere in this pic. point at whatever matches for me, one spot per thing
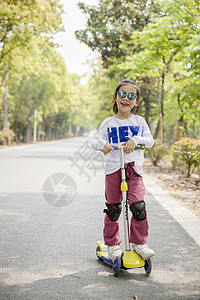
(47, 247)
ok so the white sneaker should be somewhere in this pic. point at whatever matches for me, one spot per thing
(143, 250)
(114, 251)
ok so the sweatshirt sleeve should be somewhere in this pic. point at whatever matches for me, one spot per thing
(146, 137)
(101, 137)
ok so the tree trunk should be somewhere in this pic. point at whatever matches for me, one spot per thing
(28, 132)
(49, 133)
(43, 128)
(162, 113)
(178, 129)
(162, 94)
(157, 130)
(185, 127)
(161, 128)
(39, 131)
(177, 135)
(147, 110)
(180, 122)
(16, 132)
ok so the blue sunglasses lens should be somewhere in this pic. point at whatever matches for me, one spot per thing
(131, 96)
(122, 94)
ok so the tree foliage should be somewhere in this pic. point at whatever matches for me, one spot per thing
(38, 78)
(187, 152)
(160, 51)
(112, 21)
(156, 43)
(21, 21)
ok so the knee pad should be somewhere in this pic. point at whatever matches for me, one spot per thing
(113, 211)
(138, 210)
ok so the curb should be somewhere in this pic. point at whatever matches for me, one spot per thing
(188, 220)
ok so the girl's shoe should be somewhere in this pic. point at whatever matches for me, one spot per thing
(114, 251)
(143, 250)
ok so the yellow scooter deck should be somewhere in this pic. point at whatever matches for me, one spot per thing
(130, 259)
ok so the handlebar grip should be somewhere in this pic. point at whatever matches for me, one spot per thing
(138, 147)
(115, 147)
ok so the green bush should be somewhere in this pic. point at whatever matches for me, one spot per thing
(187, 152)
(157, 152)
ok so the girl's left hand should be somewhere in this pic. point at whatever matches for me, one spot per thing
(129, 146)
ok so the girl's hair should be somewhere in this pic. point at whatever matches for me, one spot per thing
(134, 110)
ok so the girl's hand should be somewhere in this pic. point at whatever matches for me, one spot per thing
(129, 146)
(107, 148)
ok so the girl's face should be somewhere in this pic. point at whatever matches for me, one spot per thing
(125, 104)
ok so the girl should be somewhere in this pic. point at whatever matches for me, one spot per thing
(128, 130)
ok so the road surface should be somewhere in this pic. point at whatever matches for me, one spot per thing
(51, 202)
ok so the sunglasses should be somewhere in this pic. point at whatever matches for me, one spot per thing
(123, 94)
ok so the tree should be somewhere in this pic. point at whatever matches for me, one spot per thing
(20, 21)
(111, 21)
(158, 55)
(38, 80)
(187, 152)
(160, 51)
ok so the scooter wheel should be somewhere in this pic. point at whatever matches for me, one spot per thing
(148, 266)
(98, 249)
(117, 266)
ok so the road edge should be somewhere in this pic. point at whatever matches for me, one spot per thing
(187, 219)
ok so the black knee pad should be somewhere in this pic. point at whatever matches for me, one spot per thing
(138, 210)
(113, 211)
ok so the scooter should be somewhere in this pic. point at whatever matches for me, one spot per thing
(129, 259)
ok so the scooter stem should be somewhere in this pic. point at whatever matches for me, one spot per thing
(124, 189)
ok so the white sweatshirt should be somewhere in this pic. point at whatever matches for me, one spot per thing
(116, 132)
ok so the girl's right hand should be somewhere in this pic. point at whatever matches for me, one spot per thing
(107, 148)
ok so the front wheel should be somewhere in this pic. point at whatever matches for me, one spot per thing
(117, 266)
(148, 266)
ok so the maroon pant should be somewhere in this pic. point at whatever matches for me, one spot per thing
(136, 192)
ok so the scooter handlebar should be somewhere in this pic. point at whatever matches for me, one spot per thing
(137, 147)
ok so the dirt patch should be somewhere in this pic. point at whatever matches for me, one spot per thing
(186, 190)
